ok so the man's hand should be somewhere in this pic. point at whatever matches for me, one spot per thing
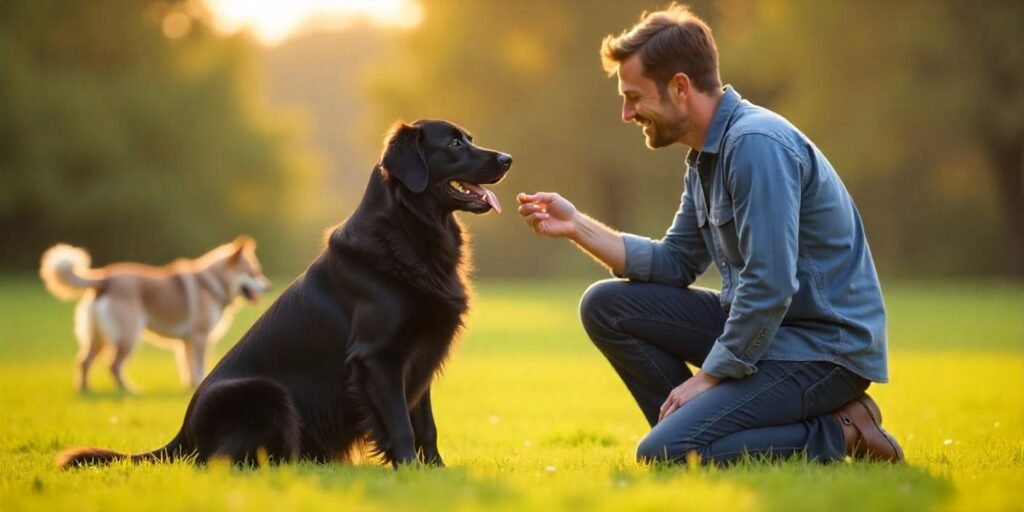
(548, 213)
(687, 391)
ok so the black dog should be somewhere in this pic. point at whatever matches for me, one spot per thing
(347, 353)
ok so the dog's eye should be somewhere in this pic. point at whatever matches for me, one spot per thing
(456, 143)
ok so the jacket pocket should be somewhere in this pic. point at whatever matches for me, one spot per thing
(722, 220)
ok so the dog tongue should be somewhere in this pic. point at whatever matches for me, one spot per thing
(486, 195)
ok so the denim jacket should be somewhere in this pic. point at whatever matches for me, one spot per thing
(798, 281)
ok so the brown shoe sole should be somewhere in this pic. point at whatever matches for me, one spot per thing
(875, 425)
(895, 446)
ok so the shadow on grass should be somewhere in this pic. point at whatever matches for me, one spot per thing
(798, 484)
(141, 396)
(407, 488)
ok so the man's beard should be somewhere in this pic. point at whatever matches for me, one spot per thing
(661, 133)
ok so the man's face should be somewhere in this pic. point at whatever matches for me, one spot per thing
(664, 120)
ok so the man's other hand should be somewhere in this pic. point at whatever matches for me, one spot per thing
(687, 391)
(548, 213)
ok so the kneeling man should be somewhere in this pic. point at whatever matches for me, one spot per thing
(797, 334)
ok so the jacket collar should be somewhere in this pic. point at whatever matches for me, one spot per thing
(719, 122)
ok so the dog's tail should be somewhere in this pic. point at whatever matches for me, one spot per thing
(81, 457)
(65, 271)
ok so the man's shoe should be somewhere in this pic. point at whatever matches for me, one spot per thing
(861, 420)
(873, 409)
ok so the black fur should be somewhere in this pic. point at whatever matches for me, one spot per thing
(347, 353)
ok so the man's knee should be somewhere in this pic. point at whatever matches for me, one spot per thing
(653, 450)
(595, 306)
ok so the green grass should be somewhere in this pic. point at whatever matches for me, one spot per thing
(532, 417)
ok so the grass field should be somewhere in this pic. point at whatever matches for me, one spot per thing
(532, 417)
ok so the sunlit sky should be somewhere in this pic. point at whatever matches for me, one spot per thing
(272, 21)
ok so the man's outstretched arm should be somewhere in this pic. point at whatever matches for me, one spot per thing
(550, 214)
(677, 259)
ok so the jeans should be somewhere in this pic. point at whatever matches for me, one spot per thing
(648, 332)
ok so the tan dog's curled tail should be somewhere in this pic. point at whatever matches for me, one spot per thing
(65, 270)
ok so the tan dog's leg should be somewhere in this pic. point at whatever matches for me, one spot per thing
(123, 325)
(195, 358)
(123, 350)
(184, 374)
(90, 342)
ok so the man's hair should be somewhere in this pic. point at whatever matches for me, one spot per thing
(669, 41)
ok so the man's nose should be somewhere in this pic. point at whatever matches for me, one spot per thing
(628, 112)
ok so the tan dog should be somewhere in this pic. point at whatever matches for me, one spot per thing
(188, 300)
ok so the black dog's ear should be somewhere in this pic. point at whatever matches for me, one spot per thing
(403, 157)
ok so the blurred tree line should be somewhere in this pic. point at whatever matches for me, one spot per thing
(131, 129)
(139, 141)
(919, 105)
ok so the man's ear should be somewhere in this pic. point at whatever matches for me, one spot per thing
(679, 86)
(403, 157)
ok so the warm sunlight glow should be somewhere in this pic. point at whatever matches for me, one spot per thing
(272, 21)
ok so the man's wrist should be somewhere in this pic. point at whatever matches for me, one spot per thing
(578, 228)
(707, 377)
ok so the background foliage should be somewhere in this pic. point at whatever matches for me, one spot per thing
(132, 144)
(138, 145)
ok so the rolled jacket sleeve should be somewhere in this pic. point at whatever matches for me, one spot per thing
(639, 254)
(764, 179)
(678, 258)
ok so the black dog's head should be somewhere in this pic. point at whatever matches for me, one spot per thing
(438, 162)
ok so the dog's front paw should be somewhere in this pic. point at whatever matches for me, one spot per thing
(398, 462)
(431, 457)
